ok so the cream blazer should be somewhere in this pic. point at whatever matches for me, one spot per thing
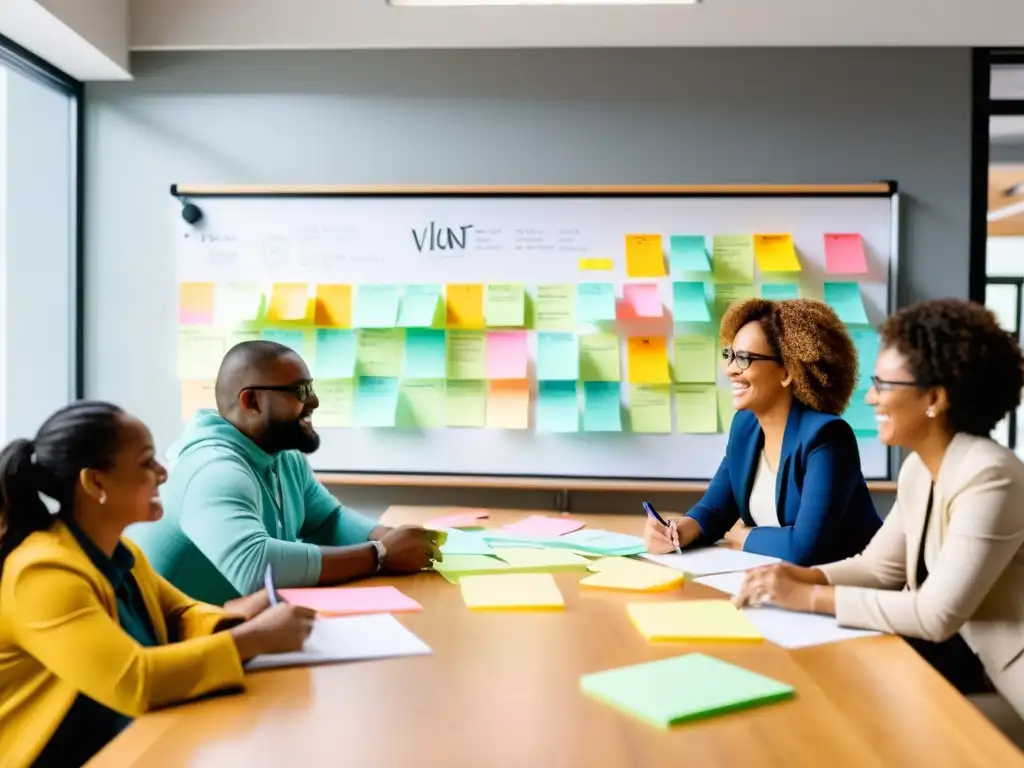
(973, 551)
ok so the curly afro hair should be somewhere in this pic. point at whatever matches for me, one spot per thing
(812, 343)
(959, 345)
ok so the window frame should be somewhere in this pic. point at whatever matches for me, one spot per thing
(1018, 283)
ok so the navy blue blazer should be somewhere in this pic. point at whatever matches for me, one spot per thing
(825, 510)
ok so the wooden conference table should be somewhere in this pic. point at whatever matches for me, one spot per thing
(501, 691)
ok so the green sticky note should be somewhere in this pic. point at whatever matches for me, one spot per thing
(379, 352)
(555, 308)
(725, 409)
(600, 357)
(688, 253)
(200, 352)
(335, 354)
(557, 407)
(420, 306)
(868, 345)
(695, 358)
(689, 303)
(846, 300)
(780, 291)
(557, 357)
(734, 259)
(602, 410)
(376, 401)
(376, 306)
(465, 403)
(467, 355)
(301, 342)
(650, 408)
(335, 396)
(675, 690)
(595, 302)
(696, 408)
(425, 354)
(727, 294)
(453, 567)
(861, 416)
(421, 404)
(505, 305)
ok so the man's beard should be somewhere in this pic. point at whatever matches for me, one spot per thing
(290, 436)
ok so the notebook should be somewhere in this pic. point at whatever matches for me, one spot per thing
(692, 620)
(510, 591)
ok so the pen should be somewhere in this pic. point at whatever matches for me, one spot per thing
(654, 513)
(268, 582)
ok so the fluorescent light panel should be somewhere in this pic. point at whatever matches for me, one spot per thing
(526, 3)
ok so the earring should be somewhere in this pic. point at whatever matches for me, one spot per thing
(930, 412)
(103, 497)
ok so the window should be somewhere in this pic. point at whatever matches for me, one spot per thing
(1003, 297)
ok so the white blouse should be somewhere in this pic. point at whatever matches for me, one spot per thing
(762, 495)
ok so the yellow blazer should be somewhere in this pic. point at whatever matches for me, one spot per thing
(974, 551)
(59, 637)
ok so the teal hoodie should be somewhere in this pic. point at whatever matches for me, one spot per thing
(230, 508)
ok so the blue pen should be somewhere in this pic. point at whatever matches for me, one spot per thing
(654, 513)
(268, 582)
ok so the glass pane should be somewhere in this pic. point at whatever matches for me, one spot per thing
(1007, 82)
(1002, 299)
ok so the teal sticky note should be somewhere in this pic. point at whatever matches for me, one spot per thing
(294, 340)
(418, 307)
(557, 407)
(335, 354)
(465, 543)
(376, 401)
(689, 303)
(846, 300)
(424, 354)
(780, 291)
(602, 410)
(688, 253)
(376, 306)
(861, 416)
(595, 302)
(868, 346)
(557, 356)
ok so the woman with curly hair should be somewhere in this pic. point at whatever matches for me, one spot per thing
(946, 570)
(790, 484)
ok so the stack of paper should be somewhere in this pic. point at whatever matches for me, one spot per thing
(709, 560)
(626, 574)
(511, 591)
(692, 620)
(349, 601)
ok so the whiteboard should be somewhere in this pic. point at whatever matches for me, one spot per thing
(533, 239)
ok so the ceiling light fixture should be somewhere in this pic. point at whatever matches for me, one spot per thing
(533, 3)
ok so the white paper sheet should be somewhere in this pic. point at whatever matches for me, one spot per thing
(711, 560)
(348, 639)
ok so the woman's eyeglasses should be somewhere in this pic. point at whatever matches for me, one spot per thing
(743, 359)
(886, 385)
(302, 392)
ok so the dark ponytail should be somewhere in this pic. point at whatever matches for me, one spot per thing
(83, 435)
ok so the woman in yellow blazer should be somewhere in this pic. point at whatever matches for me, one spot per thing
(946, 570)
(90, 635)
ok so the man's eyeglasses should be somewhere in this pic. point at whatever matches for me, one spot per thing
(744, 359)
(302, 392)
(885, 385)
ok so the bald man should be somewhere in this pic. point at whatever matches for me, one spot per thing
(241, 494)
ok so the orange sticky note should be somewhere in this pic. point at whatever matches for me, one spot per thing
(288, 301)
(195, 303)
(508, 404)
(196, 395)
(648, 360)
(334, 306)
(465, 305)
(644, 257)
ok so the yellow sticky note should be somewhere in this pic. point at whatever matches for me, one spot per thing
(775, 253)
(727, 294)
(647, 360)
(196, 395)
(508, 404)
(466, 355)
(511, 591)
(725, 409)
(288, 301)
(692, 620)
(555, 308)
(650, 408)
(599, 357)
(465, 403)
(200, 351)
(505, 305)
(733, 259)
(420, 404)
(696, 408)
(541, 559)
(465, 305)
(596, 265)
(644, 257)
(379, 351)
(334, 306)
(695, 358)
(335, 396)
(631, 575)
(195, 303)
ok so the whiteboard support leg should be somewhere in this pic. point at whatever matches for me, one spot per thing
(562, 501)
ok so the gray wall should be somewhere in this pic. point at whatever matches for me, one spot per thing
(506, 117)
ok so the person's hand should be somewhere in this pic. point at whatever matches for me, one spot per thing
(782, 585)
(279, 629)
(660, 539)
(410, 548)
(248, 607)
(736, 537)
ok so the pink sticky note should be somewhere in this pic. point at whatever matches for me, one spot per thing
(643, 298)
(349, 601)
(544, 527)
(460, 520)
(844, 254)
(506, 355)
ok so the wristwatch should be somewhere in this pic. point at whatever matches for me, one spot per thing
(382, 552)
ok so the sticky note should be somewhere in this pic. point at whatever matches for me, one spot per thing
(465, 543)
(644, 257)
(239, 335)
(379, 351)
(467, 519)
(643, 299)
(351, 601)
(776, 253)
(420, 404)
(376, 401)
(846, 300)
(195, 396)
(599, 357)
(237, 303)
(598, 542)
(733, 259)
(200, 351)
(294, 340)
(419, 306)
(689, 303)
(546, 559)
(695, 358)
(595, 302)
(696, 408)
(692, 620)
(336, 398)
(631, 575)
(508, 404)
(465, 403)
(650, 408)
(688, 253)
(333, 306)
(861, 416)
(602, 410)
(648, 360)
(544, 526)
(555, 308)
(557, 356)
(196, 303)
(844, 254)
(725, 408)
(467, 355)
(867, 343)
(505, 305)
(288, 301)
(465, 306)
(507, 355)
(596, 265)
(376, 306)
(335, 356)
(780, 291)
(456, 567)
(683, 688)
(557, 407)
(727, 294)
(511, 591)
(425, 356)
